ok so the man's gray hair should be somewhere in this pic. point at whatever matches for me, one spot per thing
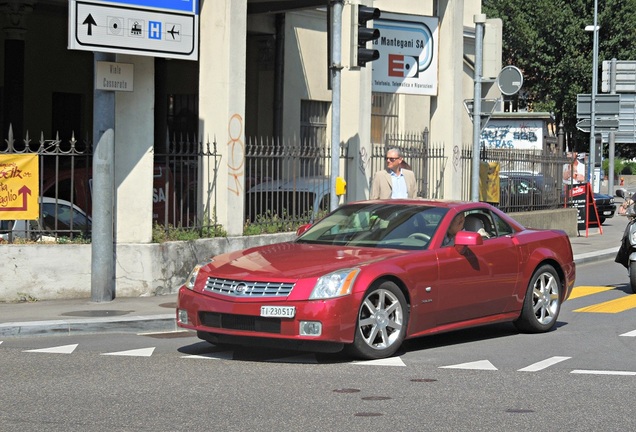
(396, 150)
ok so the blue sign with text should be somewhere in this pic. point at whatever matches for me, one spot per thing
(173, 5)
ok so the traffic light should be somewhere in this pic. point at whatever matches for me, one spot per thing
(361, 34)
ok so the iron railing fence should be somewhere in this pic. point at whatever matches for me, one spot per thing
(528, 179)
(427, 161)
(63, 188)
(287, 182)
(178, 183)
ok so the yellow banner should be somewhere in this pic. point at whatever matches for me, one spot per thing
(489, 182)
(19, 186)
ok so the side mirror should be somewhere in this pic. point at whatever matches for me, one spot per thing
(468, 238)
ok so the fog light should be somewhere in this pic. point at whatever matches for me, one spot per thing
(310, 328)
(183, 316)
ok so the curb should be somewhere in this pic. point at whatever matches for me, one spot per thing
(133, 324)
(595, 256)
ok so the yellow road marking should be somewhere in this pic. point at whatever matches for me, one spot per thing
(582, 291)
(613, 306)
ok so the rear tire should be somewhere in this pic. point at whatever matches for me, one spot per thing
(542, 303)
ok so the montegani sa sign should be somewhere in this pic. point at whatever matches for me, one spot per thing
(408, 60)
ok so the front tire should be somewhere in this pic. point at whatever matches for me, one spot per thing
(542, 303)
(382, 320)
(632, 275)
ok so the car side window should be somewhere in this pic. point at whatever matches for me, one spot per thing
(481, 222)
(502, 226)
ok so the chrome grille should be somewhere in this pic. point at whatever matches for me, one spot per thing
(238, 288)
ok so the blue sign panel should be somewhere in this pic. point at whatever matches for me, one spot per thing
(173, 5)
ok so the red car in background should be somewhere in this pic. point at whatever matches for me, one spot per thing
(374, 273)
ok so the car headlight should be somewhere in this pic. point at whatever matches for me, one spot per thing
(192, 277)
(336, 284)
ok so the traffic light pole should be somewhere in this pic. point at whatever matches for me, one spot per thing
(336, 68)
(480, 21)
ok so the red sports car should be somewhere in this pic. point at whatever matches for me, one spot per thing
(374, 273)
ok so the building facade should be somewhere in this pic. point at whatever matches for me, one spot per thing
(262, 71)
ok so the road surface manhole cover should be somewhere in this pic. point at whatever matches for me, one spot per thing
(97, 313)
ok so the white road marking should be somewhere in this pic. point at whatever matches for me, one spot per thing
(141, 352)
(630, 334)
(603, 372)
(64, 349)
(225, 355)
(391, 361)
(478, 365)
(544, 364)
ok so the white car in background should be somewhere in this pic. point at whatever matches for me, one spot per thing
(294, 198)
(58, 216)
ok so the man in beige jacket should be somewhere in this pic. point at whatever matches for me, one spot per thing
(393, 182)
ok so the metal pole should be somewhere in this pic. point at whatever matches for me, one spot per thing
(480, 20)
(592, 157)
(612, 136)
(102, 238)
(336, 67)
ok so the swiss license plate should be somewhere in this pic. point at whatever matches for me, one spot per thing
(278, 311)
(608, 212)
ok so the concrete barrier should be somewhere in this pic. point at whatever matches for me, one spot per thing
(63, 271)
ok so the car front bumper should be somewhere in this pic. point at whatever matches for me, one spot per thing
(217, 316)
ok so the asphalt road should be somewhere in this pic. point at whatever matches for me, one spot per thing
(579, 377)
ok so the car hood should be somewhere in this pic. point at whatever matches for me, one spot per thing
(292, 261)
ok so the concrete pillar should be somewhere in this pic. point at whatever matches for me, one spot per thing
(447, 109)
(222, 109)
(134, 120)
(14, 26)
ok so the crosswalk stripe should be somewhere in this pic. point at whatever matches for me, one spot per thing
(224, 355)
(141, 352)
(582, 291)
(391, 361)
(602, 372)
(480, 365)
(544, 364)
(64, 349)
(613, 306)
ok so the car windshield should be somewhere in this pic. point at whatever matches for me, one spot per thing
(397, 226)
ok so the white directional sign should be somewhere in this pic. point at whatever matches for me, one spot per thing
(142, 27)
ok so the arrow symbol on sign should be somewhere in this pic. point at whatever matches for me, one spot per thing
(90, 21)
(24, 191)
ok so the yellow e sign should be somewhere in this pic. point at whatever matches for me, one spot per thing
(19, 186)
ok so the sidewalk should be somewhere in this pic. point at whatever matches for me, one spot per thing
(157, 313)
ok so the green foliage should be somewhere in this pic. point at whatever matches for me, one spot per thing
(26, 298)
(629, 168)
(546, 40)
(270, 223)
(162, 234)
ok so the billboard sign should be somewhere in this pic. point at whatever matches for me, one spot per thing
(408, 47)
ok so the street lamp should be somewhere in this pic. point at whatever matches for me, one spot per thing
(592, 161)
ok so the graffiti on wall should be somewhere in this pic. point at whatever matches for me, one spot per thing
(236, 154)
(513, 134)
(364, 161)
